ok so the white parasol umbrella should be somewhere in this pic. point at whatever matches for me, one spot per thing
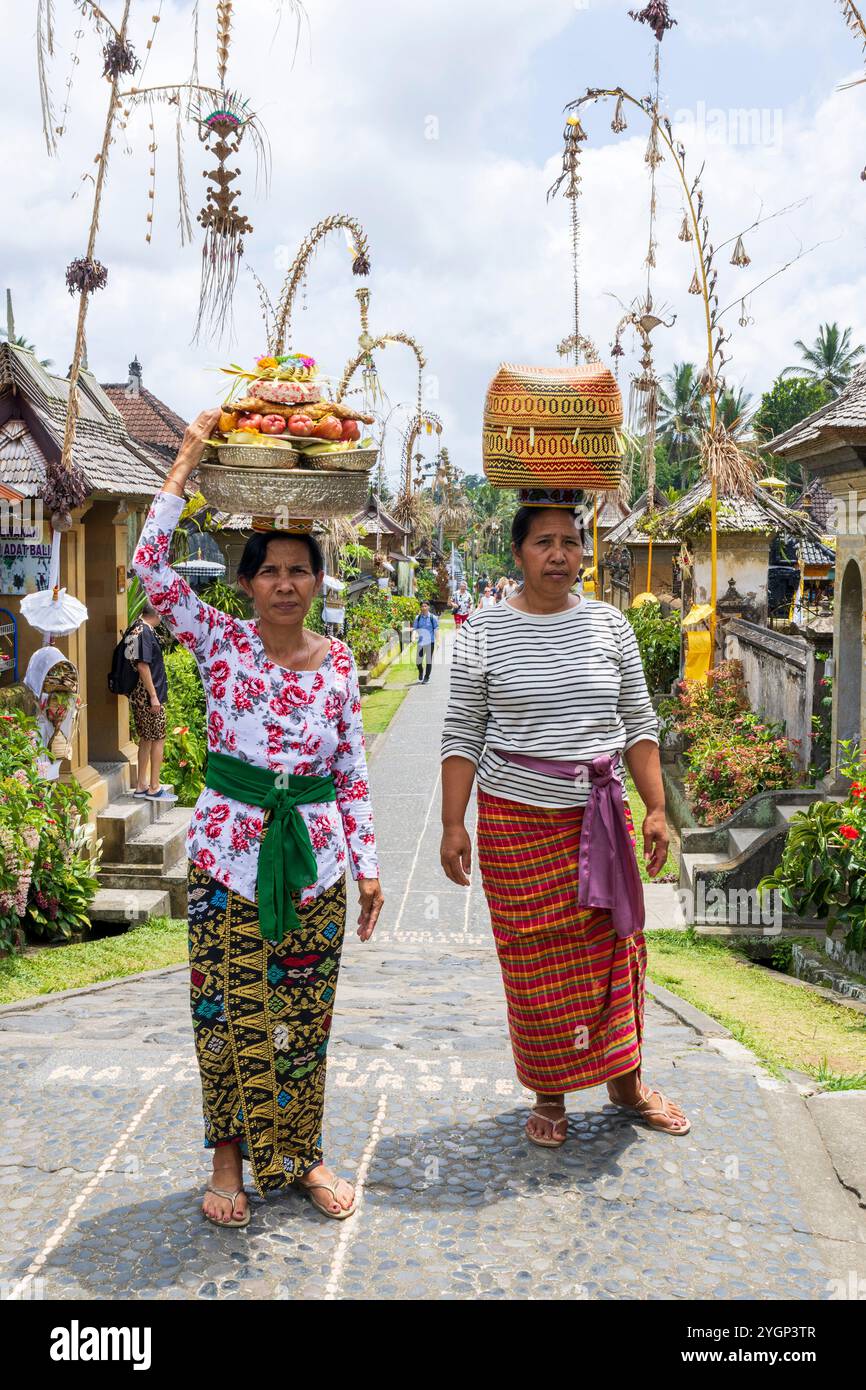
(53, 612)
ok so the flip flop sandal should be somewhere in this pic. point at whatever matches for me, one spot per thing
(332, 1188)
(231, 1197)
(644, 1110)
(551, 1142)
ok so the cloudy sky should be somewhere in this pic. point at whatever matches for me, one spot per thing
(438, 125)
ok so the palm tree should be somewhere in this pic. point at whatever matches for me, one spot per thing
(735, 410)
(681, 413)
(830, 360)
(19, 341)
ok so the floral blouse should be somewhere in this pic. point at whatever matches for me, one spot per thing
(302, 722)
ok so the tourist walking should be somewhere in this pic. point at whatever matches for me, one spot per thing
(285, 809)
(548, 695)
(462, 604)
(424, 630)
(147, 701)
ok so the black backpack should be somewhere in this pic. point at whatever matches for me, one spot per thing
(123, 676)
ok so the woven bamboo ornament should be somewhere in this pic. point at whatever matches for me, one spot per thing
(553, 427)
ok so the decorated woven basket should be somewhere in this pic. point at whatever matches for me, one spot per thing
(553, 427)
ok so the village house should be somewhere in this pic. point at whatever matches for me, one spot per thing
(830, 448)
(123, 475)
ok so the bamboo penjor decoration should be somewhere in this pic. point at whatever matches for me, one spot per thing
(717, 446)
(65, 487)
(281, 328)
(857, 24)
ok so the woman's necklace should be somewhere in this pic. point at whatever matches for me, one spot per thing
(306, 659)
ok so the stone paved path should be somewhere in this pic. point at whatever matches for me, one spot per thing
(101, 1164)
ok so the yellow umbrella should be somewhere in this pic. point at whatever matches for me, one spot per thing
(641, 599)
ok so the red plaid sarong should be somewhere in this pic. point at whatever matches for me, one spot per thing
(574, 990)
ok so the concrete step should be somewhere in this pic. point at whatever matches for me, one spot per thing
(162, 842)
(785, 813)
(117, 777)
(128, 905)
(741, 837)
(706, 860)
(134, 878)
(119, 822)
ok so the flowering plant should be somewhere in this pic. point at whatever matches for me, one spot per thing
(823, 867)
(47, 866)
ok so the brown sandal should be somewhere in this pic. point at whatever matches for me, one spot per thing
(644, 1111)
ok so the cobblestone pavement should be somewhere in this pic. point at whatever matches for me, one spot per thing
(102, 1164)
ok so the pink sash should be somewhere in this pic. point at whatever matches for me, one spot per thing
(608, 874)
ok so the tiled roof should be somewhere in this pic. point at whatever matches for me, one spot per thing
(812, 552)
(22, 463)
(147, 418)
(367, 520)
(818, 501)
(843, 416)
(110, 461)
(758, 514)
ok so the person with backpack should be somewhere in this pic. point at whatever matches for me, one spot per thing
(138, 671)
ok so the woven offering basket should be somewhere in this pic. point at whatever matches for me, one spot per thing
(553, 427)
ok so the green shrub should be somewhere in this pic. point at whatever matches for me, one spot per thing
(186, 717)
(658, 640)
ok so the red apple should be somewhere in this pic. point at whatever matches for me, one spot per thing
(249, 422)
(272, 424)
(300, 424)
(329, 427)
(351, 430)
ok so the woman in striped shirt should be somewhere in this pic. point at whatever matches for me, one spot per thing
(548, 696)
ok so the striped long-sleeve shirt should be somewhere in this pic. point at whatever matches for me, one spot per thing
(566, 685)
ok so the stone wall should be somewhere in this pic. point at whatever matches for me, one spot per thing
(780, 676)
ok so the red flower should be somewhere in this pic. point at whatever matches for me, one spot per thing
(850, 832)
(205, 860)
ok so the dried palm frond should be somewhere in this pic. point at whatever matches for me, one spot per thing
(854, 20)
(44, 51)
(184, 215)
(734, 467)
(407, 510)
(656, 15)
(335, 533)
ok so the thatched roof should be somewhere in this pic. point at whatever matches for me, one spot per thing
(33, 413)
(626, 532)
(760, 514)
(842, 420)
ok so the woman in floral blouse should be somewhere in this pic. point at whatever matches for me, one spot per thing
(286, 807)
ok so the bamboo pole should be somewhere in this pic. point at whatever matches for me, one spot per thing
(84, 299)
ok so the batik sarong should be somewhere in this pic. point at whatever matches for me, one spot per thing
(261, 1013)
(573, 989)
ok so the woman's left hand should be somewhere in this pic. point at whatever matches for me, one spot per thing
(655, 841)
(372, 898)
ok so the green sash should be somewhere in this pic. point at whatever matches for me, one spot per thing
(286, 859)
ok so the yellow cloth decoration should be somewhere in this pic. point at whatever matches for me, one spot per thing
(698, 613)
(697, 656)
(641, 599)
